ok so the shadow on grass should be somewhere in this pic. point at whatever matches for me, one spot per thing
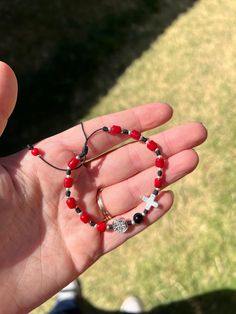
(216, 302)
(67, 54)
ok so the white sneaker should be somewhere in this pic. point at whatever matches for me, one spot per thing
(71, 291)
(131, 305)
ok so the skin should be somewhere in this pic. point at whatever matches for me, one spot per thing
(43, 244)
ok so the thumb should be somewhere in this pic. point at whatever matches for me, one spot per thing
(8, 94)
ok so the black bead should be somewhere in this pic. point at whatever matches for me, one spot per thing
(110, 227)
(158, 153)
(145, 211)
(138, 218)
(155, 192)
(92, 224)
(143, 139)
(84, 151)
(78, 210)
(159, 173)
(125, 131)
(68, 193)
(105, 128)
(68, 172)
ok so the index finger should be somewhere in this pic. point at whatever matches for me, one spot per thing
(143, 118)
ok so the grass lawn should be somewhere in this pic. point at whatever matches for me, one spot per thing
(191, 251)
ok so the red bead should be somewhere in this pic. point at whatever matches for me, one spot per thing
(68, 182)
(101, 226)
(158, 182)
(135, 134)
(71, 202)
(85, 217)
(35, 151)
(152, 145)
(115, 129)
(73, 163)
(160, 162)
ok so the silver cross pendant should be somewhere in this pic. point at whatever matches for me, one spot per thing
(150, 201)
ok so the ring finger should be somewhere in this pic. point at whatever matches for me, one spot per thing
(121, 197)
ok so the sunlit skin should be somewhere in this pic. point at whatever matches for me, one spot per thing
(44, 245)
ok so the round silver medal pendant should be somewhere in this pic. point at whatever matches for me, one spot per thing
(120, 225)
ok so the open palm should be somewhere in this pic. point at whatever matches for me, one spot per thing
(44, 245)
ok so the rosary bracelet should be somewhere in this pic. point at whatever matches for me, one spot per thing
(119, 224)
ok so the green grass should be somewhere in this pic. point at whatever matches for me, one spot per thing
(191, 251)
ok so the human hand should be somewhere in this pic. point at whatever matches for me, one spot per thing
(44, 245)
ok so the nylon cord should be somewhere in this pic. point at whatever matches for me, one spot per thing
(83, 154)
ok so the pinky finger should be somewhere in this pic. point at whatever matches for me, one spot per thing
(113, 239)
